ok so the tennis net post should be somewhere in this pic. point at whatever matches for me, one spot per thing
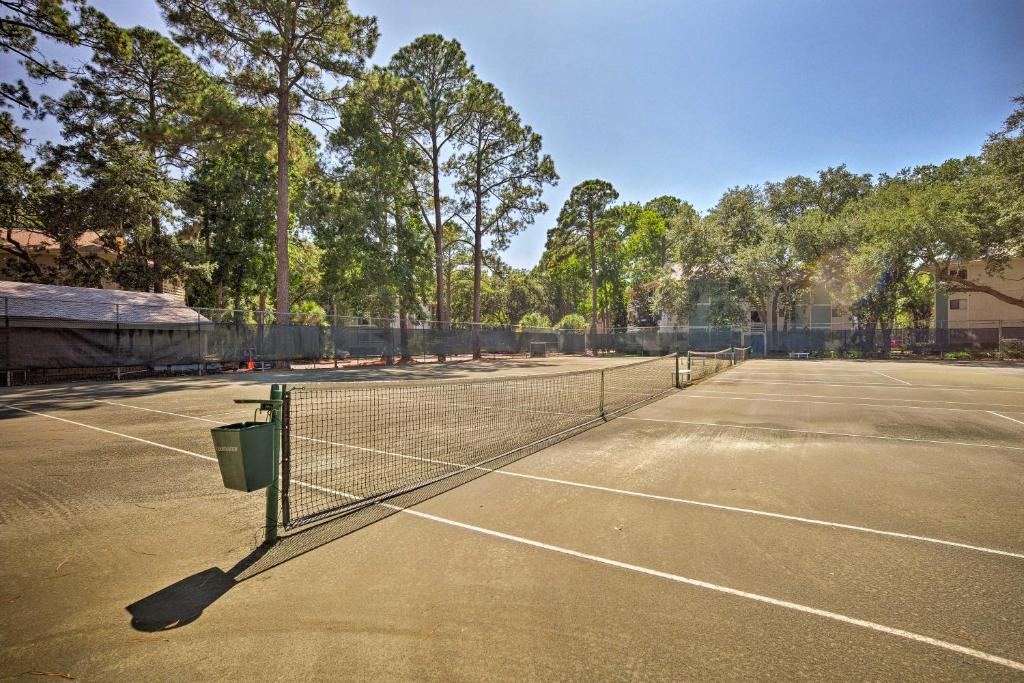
(274, 407)
(274, 490)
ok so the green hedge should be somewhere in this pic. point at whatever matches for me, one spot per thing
(1011, 348)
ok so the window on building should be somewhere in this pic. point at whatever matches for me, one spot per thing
(958, 304)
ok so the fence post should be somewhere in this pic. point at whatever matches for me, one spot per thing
(732, 355)
(677, 371)
(7, 365)
(199, 343)
(601, 404)
(117, 341)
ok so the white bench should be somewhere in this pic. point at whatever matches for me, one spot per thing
(799, 354)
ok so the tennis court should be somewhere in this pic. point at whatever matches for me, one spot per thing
(812, 519)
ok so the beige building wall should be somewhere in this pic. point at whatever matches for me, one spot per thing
(969, 307)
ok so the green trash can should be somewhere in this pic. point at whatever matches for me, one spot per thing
(245, 453)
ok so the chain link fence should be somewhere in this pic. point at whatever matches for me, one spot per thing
(43, 339)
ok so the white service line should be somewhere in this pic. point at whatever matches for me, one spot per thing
(683, 501)
(733, 379)
(817, 433)
(636, 494)
(1015, 407)
(814, 374)
(203, 418)
(713, 394)
(108, 431)
(761, 513)
(1006, 417)
(222, 413)
(895, 379)
(756, 597)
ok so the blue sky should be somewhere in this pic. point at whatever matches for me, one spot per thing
(687, 98)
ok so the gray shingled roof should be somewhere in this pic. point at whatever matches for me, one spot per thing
(53, 303)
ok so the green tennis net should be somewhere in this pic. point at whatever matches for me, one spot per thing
(352, 444)
(706, 363)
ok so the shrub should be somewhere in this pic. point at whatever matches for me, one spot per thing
(573, 321)
(957, 355)
(308, 313)
(1011, 348)
(535, 319)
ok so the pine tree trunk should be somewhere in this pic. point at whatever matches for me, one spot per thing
(886, 337)
(774, 313)
(869, 335)
(403, 334)
(477, 268)
(157, 270)
(438, 240)
(283, 119)
(593, 277)
(260, 317)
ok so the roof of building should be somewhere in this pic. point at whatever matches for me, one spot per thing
(85, 304)
(89, 242)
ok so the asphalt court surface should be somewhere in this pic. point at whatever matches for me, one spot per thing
(784, 519)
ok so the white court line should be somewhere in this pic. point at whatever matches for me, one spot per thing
(681, 501)
(710, 394)
(1006, 417)
(202, 418)
(725, 379)
(817, 373)
(239, 409)
(107, 431)
(895, 379)
(808, 431)
(741, 379)
(1018, 408)
(761, 513)
(636, 494)
(756, 597)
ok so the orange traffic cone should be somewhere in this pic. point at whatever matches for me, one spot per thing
(251, 364)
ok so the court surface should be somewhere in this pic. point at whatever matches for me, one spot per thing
(783, 519)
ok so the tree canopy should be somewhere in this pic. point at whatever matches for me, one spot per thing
(254, 159)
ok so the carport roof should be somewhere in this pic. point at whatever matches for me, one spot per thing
(86, 304)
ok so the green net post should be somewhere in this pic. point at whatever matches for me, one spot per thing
(274, 490)
(601, 404)
(677, 383)
(732, 355)
(689, 366)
